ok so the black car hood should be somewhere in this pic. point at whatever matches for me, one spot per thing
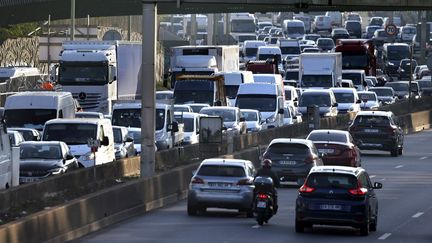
(40, 164)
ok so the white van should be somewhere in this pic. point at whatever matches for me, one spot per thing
(294, 29)
(269, 52)
(191, 127)
(290, 49)
(7, 173)
(265, 98)
(250, 49)
(76, 133)
(233, 81)
(33, 109)
(272, 79)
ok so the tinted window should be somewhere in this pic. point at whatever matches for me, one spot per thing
(382, 92)
(315, 99)
(188, 124)
(367, 96)
(372, 120)
(398, 86)
(117, 135)
(250, 116)
(344, 97)
(222, 171)
(324, 136)
(332, 180)
(227, 115)
(288, 148)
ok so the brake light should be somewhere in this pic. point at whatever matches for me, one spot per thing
(306, 189)
(245, 182)
(262, 196)
(309, 159)
(359, 191)
(391, 130)
(266, 156)
(197, 180)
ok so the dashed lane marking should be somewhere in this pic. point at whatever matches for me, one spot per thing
(384, 236)
(256, 227)
(417, 215)
(422, 158)
(399, 166)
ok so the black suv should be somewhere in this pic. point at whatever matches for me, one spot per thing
(377, 130)
(337, 195)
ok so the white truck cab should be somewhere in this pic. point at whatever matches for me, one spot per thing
(233, 81)
(76, 133)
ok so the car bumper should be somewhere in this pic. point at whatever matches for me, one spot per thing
(292, 174)
(383, 144)
(341, 161)
(229, 200)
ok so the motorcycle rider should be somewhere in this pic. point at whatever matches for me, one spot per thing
(266, 171)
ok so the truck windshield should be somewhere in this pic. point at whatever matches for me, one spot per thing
(262, 103)
(29, 118)
(83, 74)
(355, 77)
(132, 118)
(295, 30)
(40, 151)
(71, 134)
(324, 81)
(294, 50)
(354, 60)
(194, 92)
(243, 26)
(231, 91)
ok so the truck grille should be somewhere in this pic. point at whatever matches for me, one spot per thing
(88, 101)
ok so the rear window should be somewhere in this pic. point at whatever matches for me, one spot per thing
(372, 120)
(324, 136)
(221, 170)
(332, 180)
(288, 148)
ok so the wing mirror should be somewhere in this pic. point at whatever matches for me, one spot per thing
(69, 156)
(281, 111)
(242, 119)
(105, 141)
(377, 185)
(129, 139)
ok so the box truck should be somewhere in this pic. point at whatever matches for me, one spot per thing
(320, 70)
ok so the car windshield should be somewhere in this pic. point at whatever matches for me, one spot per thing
(136, 136)
(325, 42)
(71, 134)
(292, 75)
(296, 30)
(243, 26)
(181, 109)
(188, 124)
(262, 103)
(372, 120)
(132, 118)
(197, 108)
(290, 50)
(27, 135)
(117, 135)
(86, 115)
(227, 115)
(368, 97)
(164, 96)
(354, 77)
(424, 84)
(250, 116)
(264, 57)
(251, 51)
(398, 86)
(409, 30)
(288, 148)
(39, 151)
(354, 60)
(328, 136)
(331, 180)
(288, 94)
(321, 100)
(324, 81)
(83, 74)
(29, 118)
(231, 91)
(221, 171)
(344, 97)
(383, 92)
(397, 52)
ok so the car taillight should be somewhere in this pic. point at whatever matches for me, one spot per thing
(359, 191)
(245, 182)
(262, 196)
(391, 130)
(197, 180)
(306, 189)
(266, 156)
(309, 159)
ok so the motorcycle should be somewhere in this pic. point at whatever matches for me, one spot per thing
(264, 201)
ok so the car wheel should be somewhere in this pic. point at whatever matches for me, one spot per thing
(400, 151)
(191, 210)
(373, 225)
(364, 229)
(394, 152)
(249, 212)
(299, 226)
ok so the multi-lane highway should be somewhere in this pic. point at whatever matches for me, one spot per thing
(405, 210)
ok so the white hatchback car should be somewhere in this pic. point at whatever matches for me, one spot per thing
(347, 99)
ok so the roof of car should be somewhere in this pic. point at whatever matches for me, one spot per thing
(343, 90)
(336, 169)
(374, 113)
(352, 71)
(21, 129)
(222, 161)
(230, 108)
(249, 110)
(366, 92)
(321, 91)
(41, 142)
(291, 140)
(330, 131)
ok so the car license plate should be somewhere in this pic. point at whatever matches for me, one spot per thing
(262, 204)
(330, 207)
(215, 184)
(326, 151)
(371, 130)
(27, 180)
(287, 162)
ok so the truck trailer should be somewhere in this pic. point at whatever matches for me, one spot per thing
(320, 70)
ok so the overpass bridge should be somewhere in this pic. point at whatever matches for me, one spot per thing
(22, 11)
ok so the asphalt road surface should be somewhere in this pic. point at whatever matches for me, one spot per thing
(405, 210)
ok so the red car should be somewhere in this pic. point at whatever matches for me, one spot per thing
(336, 146)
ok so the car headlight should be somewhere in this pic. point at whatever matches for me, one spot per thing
(56, 171)
(87, 156)
(271, 119)
(406, 96)
(391, 64)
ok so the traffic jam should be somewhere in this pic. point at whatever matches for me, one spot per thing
(278, 69)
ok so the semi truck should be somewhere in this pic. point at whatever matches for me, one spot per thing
(203, 60)
(320, 70)
(357, 54)
(99, 72)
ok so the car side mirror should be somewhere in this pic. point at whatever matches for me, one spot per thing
(105, 141)
(335, 105)
(296, 99)
(69, 156)
(194, 172)
(129, 140)
(377, 185)
(358, 102)
(281, 111)
(242, 119)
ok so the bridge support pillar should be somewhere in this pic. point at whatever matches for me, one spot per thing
(148, 89)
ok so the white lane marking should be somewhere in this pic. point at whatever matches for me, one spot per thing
(256, 226)
(399, 166)
(372, 176)
(417, 215)
(384, 236)
(383, 179)
(422, 158)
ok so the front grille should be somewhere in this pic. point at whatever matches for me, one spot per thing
(34, 173)
(91, 101)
